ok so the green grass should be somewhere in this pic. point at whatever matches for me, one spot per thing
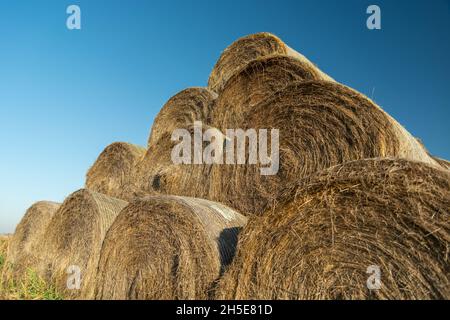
(30, 287)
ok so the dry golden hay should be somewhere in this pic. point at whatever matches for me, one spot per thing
(23, 243)
(167, 247)
(181, 111)
(74, 238)
(255, 82)
(334, 227)
(321, 124)
(113, 172)
(157, 173)
(4, 243)
(249, 48)
(444, 163)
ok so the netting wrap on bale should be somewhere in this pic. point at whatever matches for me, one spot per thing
(370, 229)
(74, 237)
(321, 124)
(167, 247)
(249, 48)
(23, 244)
(113, 173)
(181, 111)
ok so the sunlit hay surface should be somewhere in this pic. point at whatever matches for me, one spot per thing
(321, 124)
(114, 171)
(328, 229)
(23, 244)
(74, 237)
(181, 111)
(167, 247)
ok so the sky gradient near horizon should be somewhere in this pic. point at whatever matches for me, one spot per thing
(65, 95)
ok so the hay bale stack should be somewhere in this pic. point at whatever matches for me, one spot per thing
(329, 228)
(258, 81)
(113, 173)
(181, 111)
(321, 124)
(167, 247)
(246, 49)
(24, 243)
(74, 237)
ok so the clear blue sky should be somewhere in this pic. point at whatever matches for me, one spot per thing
(65, 95)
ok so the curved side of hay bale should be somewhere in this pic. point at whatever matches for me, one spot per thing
(181, 111)
(74, 238)
(246, 49)
(342, 222)
(113, 172)
(28, 234)
(167, 247)
(157, 173)
(258, 81)
(443, 163)
(321, 124)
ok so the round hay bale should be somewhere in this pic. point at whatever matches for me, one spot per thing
(23, 244)
(321, 124)
(256, 82)
(113, 172)
(74, 237)
(246, 49)
(157, 173)
(181, 111)
(167, 247)
(328, 236)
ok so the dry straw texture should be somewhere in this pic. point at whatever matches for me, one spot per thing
(181, 111)
(74, 238)
(23, 244)
(443, 163)
(321, 124)
(167, 247)
(113, 173)
(157, 173)
(254, 83)
(329, 228)
(246, 49)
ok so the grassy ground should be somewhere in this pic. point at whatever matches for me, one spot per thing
(31, 287)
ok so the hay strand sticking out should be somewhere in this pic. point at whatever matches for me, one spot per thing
(74, 238)
(23, 244)
(113, 172)
(321, 124)
(181, 111)
(329, 228)
(246, 49)
(167, 247)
